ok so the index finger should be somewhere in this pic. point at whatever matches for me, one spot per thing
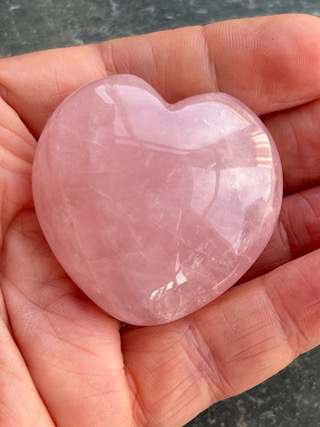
(269, 63)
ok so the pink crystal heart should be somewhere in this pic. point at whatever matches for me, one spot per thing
(155, 209)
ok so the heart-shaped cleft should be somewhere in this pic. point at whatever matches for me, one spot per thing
(155, 209)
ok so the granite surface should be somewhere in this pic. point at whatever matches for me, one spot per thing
(291, 398)
(29, 25)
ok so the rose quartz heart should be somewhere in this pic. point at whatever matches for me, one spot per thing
(155, 209)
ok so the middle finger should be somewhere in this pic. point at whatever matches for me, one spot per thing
(297, 135)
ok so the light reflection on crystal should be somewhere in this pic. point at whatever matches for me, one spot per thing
(155, 209)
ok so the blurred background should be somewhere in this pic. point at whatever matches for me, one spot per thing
(291, 398)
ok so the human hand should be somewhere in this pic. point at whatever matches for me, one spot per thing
(63, 361)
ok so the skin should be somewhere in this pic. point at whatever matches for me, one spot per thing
(63, 361)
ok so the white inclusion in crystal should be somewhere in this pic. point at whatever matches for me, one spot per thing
(259, 180)
(121, 131)
(204, 181)
(234, 182)
(216, 122)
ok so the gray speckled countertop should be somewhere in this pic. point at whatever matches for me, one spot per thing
(29, 25)
(291, 398)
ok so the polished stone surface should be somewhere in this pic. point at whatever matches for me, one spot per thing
(155, 209)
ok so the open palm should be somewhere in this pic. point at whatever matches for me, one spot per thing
(63, 361)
